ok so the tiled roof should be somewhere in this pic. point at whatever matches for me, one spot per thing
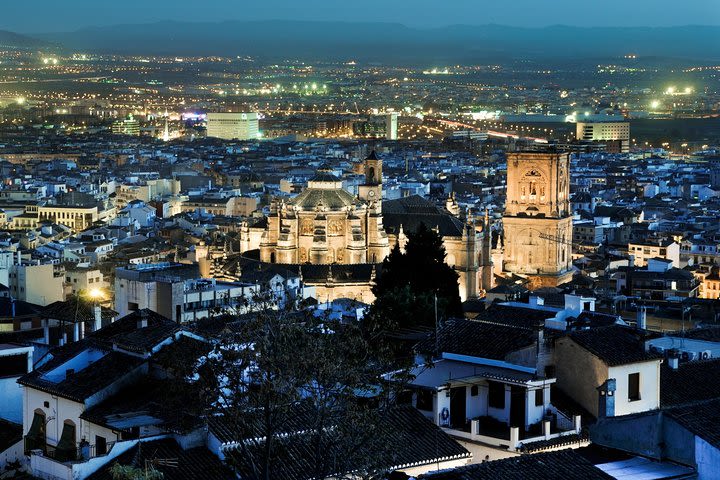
(691, 382)
(563, 464)
(125, 332)
(11, 308)
(614, 345)
(172, 405)
(10, 434)
(86, 382)
(415, 440)
(192, 464)
(553, 443)
(479, 339)
(702, 419)
(411, 211)
(76, 310)
(514, 316)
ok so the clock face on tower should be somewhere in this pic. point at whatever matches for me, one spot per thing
(371, 193)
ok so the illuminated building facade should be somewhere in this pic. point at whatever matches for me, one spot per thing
(537, 222)
(233, 126)
(126, 126)
(616, 135)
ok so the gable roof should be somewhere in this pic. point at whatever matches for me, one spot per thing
(76, 310)
(415, 440)
(614, 345)
(170, 404)
(413, 210)
(192, 464)
(691, 382)
(479, 339)
(702, 419)
(84, 383)
(124, 333)
(541, 466)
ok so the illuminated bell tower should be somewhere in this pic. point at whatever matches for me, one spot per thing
(537, 222)
(371, 190)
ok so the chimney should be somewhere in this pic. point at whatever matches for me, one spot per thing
(142, 321)
(606, 401)
(642, 318)
(97, 314)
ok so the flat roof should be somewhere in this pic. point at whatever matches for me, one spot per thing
(640, 468)
(447, 371)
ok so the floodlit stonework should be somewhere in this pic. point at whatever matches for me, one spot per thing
(537, 222)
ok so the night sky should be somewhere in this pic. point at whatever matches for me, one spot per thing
(57, 16)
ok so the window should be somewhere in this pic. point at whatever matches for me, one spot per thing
(100, 445)
(14, 365)
(425, 400)
(474, 391)
(496, 395)
(539, 398)
(634, 387)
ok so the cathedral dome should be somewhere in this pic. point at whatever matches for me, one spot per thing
(324, 191)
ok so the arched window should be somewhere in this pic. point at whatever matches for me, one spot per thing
(36, 435)
(67, 448)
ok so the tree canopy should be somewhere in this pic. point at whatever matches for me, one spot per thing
(405, 291)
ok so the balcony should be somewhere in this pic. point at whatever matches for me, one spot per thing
(47, 462)
(80, 453)
(489, 431)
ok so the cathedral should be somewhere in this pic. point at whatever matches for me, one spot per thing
(537, 222)
(326, 224)
(336, 239)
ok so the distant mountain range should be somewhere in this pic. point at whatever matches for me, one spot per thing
(389, 41)
(15, 40)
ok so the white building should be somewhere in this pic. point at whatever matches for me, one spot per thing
(605, 132)
(233, 126)
(391, 126)
(177, 292)
(612, 358)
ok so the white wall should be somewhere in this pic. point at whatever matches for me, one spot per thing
(476, 406)
(502, 415)
(11, 401)
(707, 459)
(649, 387)
(442, 400)
(59, 410)
(13, 454)
(535, 413)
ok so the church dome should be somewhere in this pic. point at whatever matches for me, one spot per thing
(330, 198)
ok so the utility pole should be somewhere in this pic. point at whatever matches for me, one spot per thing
(437, 328)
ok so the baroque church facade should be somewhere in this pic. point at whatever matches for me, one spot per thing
(332, 236)
(537, 223)
(325, 224)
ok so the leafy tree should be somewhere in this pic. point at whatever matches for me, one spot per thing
(128, 472)
(409, 283)
(278, 376)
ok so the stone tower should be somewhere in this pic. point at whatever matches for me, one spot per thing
(371, 190)
(537, 221)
